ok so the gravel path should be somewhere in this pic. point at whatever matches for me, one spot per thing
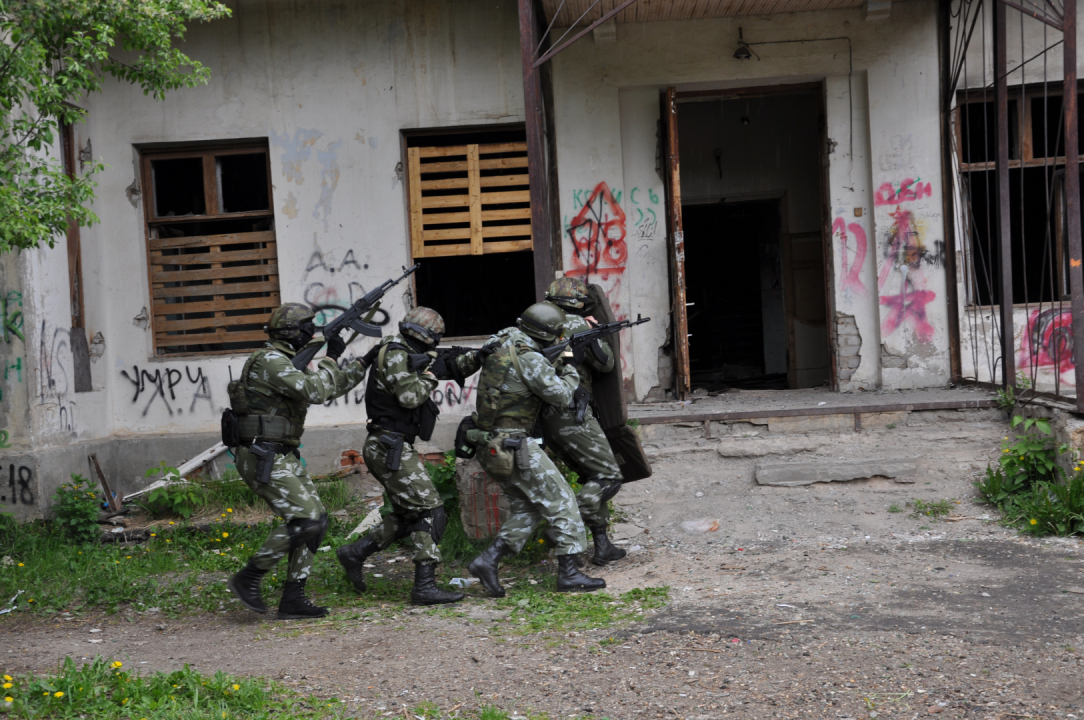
(804, 602)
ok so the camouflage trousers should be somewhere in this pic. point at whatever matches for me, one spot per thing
(292, 496)
(411, 492)
(584, 447)
(536, 494)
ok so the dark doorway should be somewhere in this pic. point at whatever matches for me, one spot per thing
(753, 209)
(726, 247)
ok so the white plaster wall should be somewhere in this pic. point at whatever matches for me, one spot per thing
(854, 262)
(330, 84)
(899, 59)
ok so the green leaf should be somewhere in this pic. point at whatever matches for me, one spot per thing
(1044, 427)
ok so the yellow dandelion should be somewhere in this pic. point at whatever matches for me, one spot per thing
(169, 540)
(7, 686)
(9, 699)
(30, 600)
(20, 564)
(154, 534)
(236, 687)
(222, 515)
(58, 694)
(1034, 521)
(225, 534)
(229, 509)
(116, 664)
(8, 678)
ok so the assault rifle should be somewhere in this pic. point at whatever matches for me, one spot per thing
(355, 318)
(577, 345)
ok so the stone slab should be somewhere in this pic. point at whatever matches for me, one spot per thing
(794, 474)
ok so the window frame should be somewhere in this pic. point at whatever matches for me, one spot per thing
(207, 151)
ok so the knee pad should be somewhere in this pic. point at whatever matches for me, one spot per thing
(608, 491)
(307, 532)
(434, 522)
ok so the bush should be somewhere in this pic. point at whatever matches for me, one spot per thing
(181, 498)
(1030, 489)
(75, 510)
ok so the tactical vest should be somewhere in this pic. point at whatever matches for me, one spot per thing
(498, 409)
(262, 413)
(383, 408)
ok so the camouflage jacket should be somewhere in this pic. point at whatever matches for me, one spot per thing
(274, 388)
(409, 388)
(507, 398)
(591, 365)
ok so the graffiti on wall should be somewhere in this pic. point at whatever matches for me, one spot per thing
(12, 349)
(1047, 341)
(598, 235)
(55, 384)
(172, 388)
(902, 282)
(906, 191)
(330, 289)
(852, 253)
(17, 490)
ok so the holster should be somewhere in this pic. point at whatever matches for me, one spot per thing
(394, 444)
(581, 401)
(522, 451)
(265, 453)
(464, 448)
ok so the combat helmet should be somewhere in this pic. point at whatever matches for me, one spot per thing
(424, 325)
(568, 293)
(542, 321)
(292, 322)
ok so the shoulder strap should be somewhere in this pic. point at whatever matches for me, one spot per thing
(515, 360)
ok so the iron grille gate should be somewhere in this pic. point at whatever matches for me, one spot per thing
(1016, 186)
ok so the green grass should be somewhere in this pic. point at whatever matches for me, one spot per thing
(894, 508)
(539, 608)
(103, 690)
(933, 509)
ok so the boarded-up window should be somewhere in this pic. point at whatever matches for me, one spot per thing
(469, 202)
(211, 247)
(469, 199)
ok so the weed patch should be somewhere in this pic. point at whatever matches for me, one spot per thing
(934, 509)
(1029, 488)
(540, 608)
(104, 690)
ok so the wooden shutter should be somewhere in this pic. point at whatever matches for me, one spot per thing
(469, 199)
(203, 286)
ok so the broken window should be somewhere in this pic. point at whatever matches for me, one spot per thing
(470, 226)
(1036, 194)
(211, 245)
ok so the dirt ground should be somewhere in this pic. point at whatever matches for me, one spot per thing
(810, 601)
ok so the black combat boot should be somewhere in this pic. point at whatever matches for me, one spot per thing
(294, 604)
(605, 551)
(245, 586)
(352, 558)
(551, 540)
(426, 592)
(484, 567)
(570, 579)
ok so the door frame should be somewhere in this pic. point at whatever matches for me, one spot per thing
(670, 98)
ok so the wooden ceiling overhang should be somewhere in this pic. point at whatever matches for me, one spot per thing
(569, 11)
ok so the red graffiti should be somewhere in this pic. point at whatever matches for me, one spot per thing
(1048, 341)
(909, 190)
(908, 306)
(598, 236)
(851, 268)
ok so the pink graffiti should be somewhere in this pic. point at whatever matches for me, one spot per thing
(908, 306)
(905, 254)
(909, 190)
(1048, 341)
(598, 236)
(851, 269)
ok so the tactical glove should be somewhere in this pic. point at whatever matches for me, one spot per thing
(336, 346)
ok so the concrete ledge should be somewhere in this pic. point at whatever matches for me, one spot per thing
(792, 474)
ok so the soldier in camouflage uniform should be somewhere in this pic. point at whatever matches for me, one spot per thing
(583, 445)
(400, 410)
(515, 383)
(270, 400)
